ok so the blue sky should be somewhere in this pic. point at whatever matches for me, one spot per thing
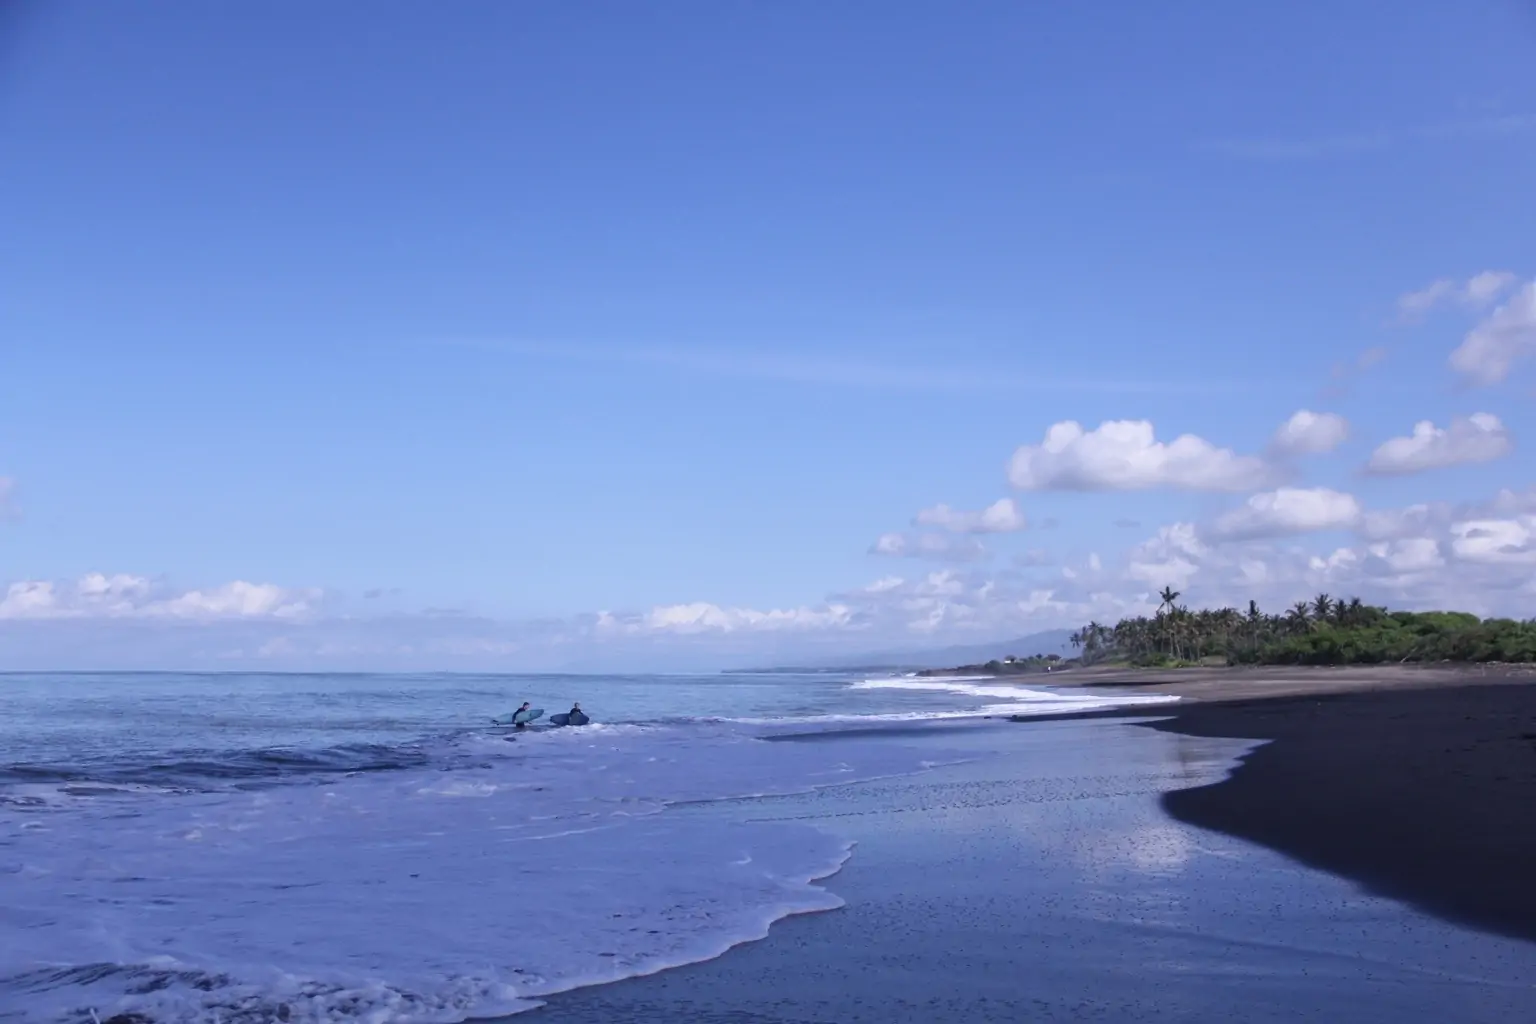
(403, 335)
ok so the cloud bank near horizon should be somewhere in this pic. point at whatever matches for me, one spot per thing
(1264, 535)
(1478, 557)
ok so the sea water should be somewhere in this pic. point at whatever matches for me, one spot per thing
(361, 847)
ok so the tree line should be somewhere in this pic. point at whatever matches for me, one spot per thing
(1323, 631)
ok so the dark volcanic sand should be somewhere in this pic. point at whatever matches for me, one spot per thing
(1422, 795)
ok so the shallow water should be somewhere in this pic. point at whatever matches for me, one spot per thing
(1038, 880)
(233, 848)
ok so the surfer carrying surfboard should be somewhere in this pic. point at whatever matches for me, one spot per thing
(520, 718)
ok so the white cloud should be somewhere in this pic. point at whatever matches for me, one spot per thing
(1509, 503)
(703, 617)
(1310, 433)
(119, 594)
(1289, 510)
(96, 586)
(1422, 301)
(1002, 516)
(1394, 524)
(238, 600)
(1480, 437)
(973, 605)
(1480, 558)
(1476, 292)
(1170, 559)
(29, 599)
(1124, 455)
(1487, 286)
(1491, 349)
(928, 545)
(1407, 555)
(1496, 541)
(96, 595)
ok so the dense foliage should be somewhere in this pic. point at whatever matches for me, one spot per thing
(1009, 666)
(1320, 632)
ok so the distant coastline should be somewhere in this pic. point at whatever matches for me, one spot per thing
(1321, 633)
(1010, 666)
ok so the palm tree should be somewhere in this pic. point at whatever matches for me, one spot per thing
(1364, 632)
(1353, 613)
(1091, 639)
(1255, 621)
(1165, 620)
(1230, 621)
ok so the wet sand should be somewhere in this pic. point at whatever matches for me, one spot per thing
(1043, 881)
(1417, 783)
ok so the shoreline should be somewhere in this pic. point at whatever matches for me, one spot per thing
(1416, 783)
(1051, 854)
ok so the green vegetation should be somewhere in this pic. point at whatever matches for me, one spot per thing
(1011, 665)
(1320, 632)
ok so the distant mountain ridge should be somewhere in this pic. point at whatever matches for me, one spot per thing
(1051, 641)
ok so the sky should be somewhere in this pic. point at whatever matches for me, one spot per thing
(363, 336)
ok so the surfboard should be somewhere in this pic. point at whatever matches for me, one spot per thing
(564, 718)
(518, 717)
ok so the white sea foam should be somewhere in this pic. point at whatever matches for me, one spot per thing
(1020, 700)
(424, 894)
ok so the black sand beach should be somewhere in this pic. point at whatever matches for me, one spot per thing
(1423, 795)
(1417, 783)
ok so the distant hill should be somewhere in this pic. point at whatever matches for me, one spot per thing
(1052, 641)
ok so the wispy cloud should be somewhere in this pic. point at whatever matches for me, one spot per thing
(1324, 147)
(124, 596)
(796, 368)
(1477, 292)
(936, 546)
(1346, 372)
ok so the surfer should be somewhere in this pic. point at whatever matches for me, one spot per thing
(576, 716)
(519, 719)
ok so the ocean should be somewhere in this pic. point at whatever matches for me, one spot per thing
(247, 847)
